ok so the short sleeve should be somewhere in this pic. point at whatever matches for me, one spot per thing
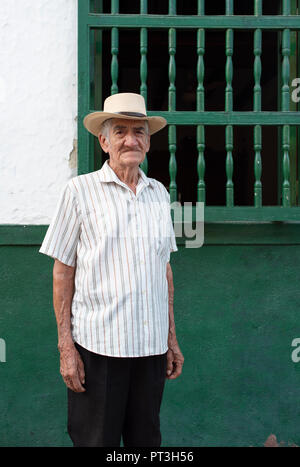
(171, 233)
(62, 236)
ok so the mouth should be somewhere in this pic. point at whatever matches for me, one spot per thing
(131, 150)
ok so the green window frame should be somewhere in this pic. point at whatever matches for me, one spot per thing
(287, 119)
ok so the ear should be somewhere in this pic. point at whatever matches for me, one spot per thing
(148, 143)
(103, 143)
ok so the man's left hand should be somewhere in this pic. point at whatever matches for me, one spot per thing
(175, 361)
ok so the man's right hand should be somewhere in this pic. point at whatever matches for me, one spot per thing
(72, 368)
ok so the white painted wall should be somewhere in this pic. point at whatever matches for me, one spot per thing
(38, 106)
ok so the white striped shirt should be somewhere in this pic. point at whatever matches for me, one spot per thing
(120, 244)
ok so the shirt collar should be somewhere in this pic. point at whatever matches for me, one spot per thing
(107, 174)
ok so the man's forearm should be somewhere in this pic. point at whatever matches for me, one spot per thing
(175, 358)
(63, 290)
(71, 365)
(172, 331)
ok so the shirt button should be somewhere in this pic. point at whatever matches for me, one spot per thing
(145, 323)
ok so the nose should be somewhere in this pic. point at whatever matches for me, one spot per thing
(130, 139)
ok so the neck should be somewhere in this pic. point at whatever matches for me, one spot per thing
(128, 175)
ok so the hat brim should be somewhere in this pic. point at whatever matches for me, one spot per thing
(94, 120)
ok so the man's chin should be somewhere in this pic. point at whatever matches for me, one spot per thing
(132, 159)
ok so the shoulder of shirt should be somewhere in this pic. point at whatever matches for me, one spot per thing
(76, 183)
(160, 186)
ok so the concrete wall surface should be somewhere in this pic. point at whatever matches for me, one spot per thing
(38, 106)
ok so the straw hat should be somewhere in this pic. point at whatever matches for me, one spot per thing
(124, 105)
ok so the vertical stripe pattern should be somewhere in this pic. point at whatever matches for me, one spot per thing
(120, 243)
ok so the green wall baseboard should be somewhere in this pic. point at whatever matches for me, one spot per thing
(215, 233)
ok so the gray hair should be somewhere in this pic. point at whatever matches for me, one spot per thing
(107, 124)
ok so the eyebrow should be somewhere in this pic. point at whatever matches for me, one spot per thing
(122, 127)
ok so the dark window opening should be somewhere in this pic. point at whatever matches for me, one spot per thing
(215, 84)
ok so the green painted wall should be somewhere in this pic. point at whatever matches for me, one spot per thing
(236, 311)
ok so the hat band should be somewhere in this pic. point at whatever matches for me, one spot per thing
(132, 114)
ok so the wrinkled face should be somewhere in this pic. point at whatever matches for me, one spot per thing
(127, 143)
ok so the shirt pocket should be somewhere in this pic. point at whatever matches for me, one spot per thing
(110, 224)
(101, 225)
(160, 239)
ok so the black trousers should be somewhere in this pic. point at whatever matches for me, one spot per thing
(122, 400)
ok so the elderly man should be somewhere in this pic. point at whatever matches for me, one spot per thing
(111, 238)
